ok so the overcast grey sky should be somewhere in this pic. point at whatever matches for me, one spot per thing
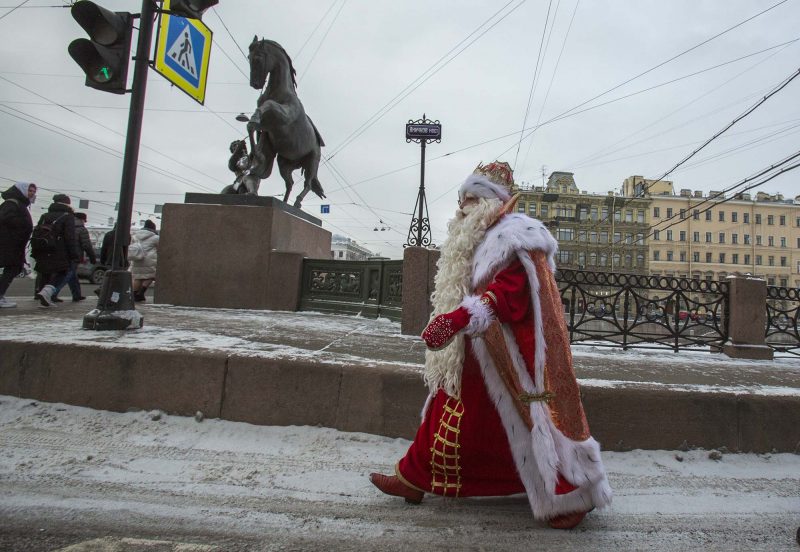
(355, 56)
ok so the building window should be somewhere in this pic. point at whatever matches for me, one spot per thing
(734, 238)
(695, 237)
(583, 213)
(747, 239)
(564, 256)
(708, 237)
(640, 216)
(734, 216)
(770, 220)
(520, 208)
(629, 238)
(771, 260)
(782, 220)
(581, 235)
(708, 214)
(617, 237)
(708, 256)
(770, 281)
(682, 256)
(783, 261)
(696, 257)
(797, 222)
(604, 213)
(603, 259)
(735, 259)
(640, 239)
(758, 240)
(629, 215)
(783, 242)
(669, 212)
(669, 255)
(565, 234)
(593, 237)
(722, 216)
(657, 214)
(682, 235)
(593, 259)
(683, 214)
(628, 260)
(532, 209)
(746, 217)
(758, 218)
(669, 235)
(771, 241)
(640, 260)
(722, 258)
(722, 237)
(747, 259)
(603, 237)
(758, 260)
(657, 233)
(582, 259)
(341, 254)
(618, 215)
(544, 211)
(784, 282)
(696, 214)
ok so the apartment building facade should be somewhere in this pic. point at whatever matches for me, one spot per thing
(699, 237)
(604, 233)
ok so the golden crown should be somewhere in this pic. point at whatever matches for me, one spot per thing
(498, 172)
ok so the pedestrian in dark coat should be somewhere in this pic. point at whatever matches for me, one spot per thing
(106, 250)
(85, 246)
(15, 230)
(55, 265)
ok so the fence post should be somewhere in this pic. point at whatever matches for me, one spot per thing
(747, 318)
(419, 269)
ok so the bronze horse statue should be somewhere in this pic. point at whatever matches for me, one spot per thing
(280, 122)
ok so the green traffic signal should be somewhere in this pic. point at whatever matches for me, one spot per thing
(105, 54)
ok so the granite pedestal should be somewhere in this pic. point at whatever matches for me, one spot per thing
(235, 251)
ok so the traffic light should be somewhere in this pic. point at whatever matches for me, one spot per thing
(105, 54)
(193, 9)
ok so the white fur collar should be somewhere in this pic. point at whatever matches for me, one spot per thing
(512, 234)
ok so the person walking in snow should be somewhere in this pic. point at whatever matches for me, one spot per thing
(55, 260)
(143, 255)
(15, 230)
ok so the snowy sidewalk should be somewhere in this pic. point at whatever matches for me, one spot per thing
(70, 475)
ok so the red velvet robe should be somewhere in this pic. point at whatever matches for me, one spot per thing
(461, 447)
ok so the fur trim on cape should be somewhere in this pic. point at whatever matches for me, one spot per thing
(511, 234)
(481, 316)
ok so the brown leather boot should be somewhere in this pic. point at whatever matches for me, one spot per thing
(391, 485)
(567, 521)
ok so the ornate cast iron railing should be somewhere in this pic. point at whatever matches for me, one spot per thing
(366, 288)
(629, 310)
(783, 317)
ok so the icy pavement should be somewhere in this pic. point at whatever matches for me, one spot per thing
(71, 475)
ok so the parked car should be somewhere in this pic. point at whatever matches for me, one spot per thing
(92, 272)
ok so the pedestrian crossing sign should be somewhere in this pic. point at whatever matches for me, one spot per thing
(183, 48)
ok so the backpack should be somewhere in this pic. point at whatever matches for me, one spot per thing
(45, 237)
(136, 252)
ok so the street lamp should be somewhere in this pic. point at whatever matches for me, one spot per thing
(242, 118)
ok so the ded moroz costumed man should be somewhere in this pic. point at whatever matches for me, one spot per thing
(504, 414)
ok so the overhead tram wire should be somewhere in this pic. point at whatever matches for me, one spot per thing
(214, 9)
(101, 125)
(380, 113)
(321, 42)
(96, 145)
(535, 75)
(313, 31)
(564, 115)
(676, 56)
(603, 152)
(18, 6)
(552, 79)
(751, 109)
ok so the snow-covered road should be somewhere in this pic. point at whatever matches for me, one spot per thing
(70, 474)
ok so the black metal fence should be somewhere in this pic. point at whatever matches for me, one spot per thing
(628, 310)
(603, 309)
(367, 288)
(783, 314)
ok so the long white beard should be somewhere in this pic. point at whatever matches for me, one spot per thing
(452, 285)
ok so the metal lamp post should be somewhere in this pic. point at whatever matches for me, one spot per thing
(421, 131)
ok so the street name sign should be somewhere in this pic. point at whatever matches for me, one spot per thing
(428, 131)
(183, 48)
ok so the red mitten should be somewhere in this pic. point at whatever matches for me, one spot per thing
(444, 327)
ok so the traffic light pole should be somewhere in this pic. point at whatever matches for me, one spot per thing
(115, 308)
